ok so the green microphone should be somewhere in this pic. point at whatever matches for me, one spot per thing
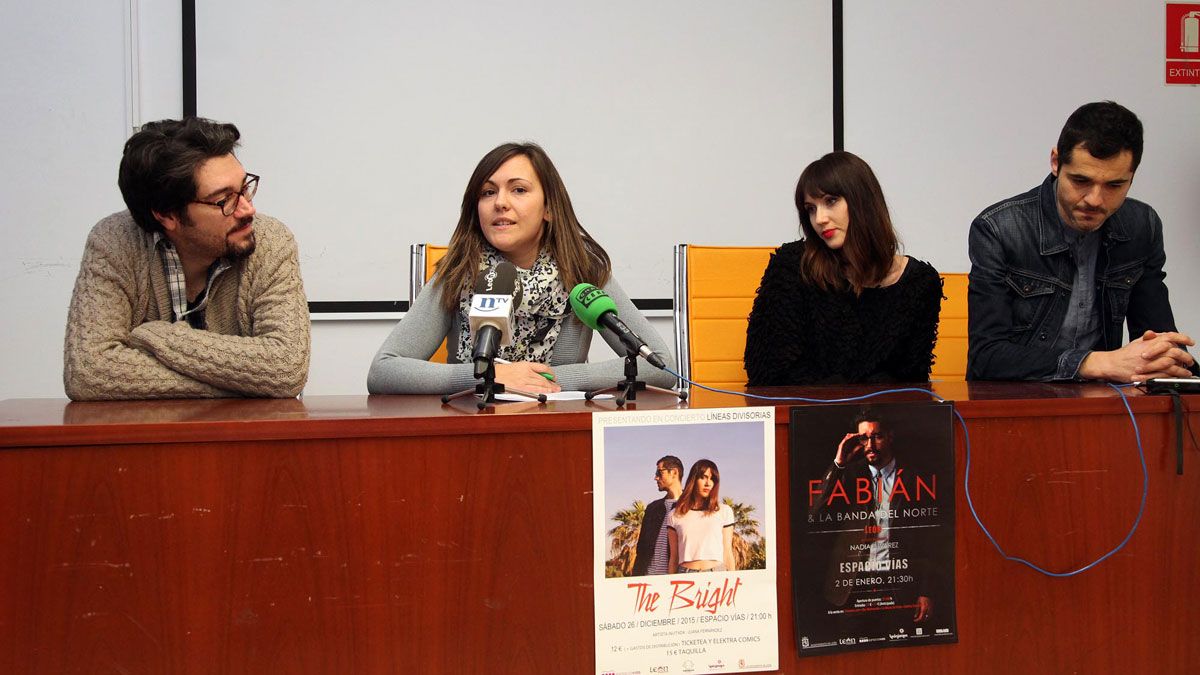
(597, 310)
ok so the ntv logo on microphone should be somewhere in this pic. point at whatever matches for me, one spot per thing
(490, 304)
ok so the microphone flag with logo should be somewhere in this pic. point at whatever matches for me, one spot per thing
(596, 309)
(495, 296)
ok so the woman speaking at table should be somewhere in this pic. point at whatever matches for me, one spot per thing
(515, 209)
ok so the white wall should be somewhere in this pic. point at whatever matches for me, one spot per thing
(160, 60)
(956, 106)
(67, 107)
(934, 100)
(64, 112)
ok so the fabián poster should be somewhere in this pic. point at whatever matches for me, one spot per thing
(872, 512)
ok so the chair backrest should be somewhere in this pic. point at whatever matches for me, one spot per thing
(714, 291)
(950, 351)
(421, 261)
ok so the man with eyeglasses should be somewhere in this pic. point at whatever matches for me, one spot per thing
(190, 292)
(652, 552)
(864, 494)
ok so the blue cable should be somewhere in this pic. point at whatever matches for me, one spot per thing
(967, 473)
(1137, 521)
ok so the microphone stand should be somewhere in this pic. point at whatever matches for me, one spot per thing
(488, 389)
(631, 385)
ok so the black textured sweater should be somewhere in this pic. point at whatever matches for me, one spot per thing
(799, 334)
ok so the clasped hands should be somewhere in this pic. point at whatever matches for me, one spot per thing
(1153, 355)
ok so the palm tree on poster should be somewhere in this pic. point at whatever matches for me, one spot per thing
(623, 538)
(745, 533)
(758, 555)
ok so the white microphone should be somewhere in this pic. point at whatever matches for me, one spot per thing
(496, 294)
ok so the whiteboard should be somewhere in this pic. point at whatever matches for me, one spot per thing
(673, 121)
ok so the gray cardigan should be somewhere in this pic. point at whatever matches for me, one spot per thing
(402, 364)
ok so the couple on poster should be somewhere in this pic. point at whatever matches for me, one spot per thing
(686, 582)
(689, 529)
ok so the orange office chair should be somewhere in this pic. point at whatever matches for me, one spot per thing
(421, 260)
(950, 350)
(714, 291)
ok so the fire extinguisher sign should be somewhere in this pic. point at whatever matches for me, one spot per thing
(1183, 43)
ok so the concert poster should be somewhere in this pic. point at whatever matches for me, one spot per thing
(684, 532)
(872, 513)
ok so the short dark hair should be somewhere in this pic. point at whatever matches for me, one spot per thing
(158, 167)
(1104, 129)
(671, 462)
(870, 414)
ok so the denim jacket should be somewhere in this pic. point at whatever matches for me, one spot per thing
(1020, 286)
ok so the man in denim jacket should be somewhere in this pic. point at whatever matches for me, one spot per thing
(1056, 271)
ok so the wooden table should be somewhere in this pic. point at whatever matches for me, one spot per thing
(392, 534)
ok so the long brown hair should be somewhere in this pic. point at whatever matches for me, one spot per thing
(867, 255)
(578, 256)
(690, 499)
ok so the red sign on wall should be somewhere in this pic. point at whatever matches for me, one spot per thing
(1183, 43)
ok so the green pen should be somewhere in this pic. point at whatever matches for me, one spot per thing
(548, 376)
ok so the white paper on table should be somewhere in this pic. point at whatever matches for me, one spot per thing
(556, 396)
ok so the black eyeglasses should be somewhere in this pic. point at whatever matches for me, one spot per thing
(229, 204)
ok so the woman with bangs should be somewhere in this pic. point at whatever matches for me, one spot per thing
(700, 527)
(842, 305)
(516, 209)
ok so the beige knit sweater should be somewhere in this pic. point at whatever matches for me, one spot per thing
(121, 343)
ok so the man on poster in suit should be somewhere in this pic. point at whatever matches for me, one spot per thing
(866, 476)
(652, 553)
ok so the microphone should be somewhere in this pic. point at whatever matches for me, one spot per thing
(496, 294)
(595, 308)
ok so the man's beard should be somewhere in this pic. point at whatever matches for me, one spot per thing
(229, 251)
(881, 460)
(233, 252)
